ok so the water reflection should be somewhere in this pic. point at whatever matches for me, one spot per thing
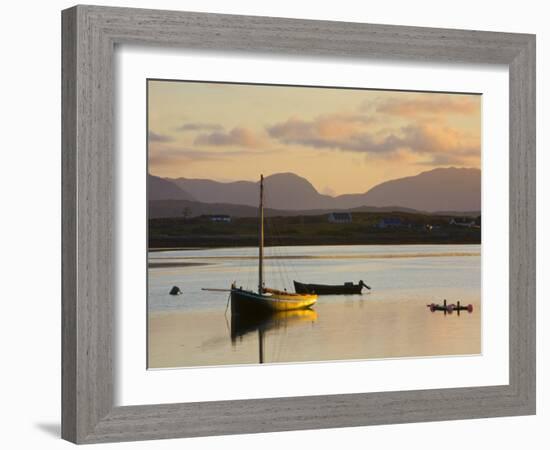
(242, 324)
(392, 321)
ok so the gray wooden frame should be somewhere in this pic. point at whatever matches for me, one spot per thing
(89, 37)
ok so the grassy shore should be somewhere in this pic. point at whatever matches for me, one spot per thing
(365, 228)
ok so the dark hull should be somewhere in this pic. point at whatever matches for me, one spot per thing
(328, 289)
(248, 303)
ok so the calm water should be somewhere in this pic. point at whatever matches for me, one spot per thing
(390, 321)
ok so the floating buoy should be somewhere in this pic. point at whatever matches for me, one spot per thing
(175, 291)
(448, 309)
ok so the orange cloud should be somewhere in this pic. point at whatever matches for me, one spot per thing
(326, 128)
(236, 137)
(427, 138)
(431, 140)
(335, 126)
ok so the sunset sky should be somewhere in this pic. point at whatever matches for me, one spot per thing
(341, 140)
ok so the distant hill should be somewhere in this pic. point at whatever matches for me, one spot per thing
(180, 208)
(283, 191)
(161, 189)
(447, 189)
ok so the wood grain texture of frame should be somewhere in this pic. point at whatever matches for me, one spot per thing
(90, 34)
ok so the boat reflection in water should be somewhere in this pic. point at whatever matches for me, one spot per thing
(242, 324)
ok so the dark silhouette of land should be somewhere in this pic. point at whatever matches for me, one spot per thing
(397, 227)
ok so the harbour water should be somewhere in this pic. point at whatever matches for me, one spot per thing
(390, 321)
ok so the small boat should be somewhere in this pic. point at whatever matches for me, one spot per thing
(266, 299)
(330, 289)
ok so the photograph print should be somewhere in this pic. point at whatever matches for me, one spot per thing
(304, 224)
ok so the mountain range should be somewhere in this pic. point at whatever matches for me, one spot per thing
(442, 189)
(161, 189)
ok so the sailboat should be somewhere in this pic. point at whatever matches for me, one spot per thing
(266, 300)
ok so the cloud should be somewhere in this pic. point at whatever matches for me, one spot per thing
(433, 105)
(430, 140)
(200, 126)
(427, 138)
(236, 137)
(325, 131)
(155, 137)
(337, 131)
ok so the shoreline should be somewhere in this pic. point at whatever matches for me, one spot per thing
(248, 244)
(185, 263)
(157, 265)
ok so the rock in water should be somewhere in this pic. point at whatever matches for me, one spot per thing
(175, 291)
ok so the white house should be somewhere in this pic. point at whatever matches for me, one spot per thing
(220, 218)
(390, 223)
(340, 217)
(462, 223)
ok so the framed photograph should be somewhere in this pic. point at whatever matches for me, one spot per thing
(268, 222)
